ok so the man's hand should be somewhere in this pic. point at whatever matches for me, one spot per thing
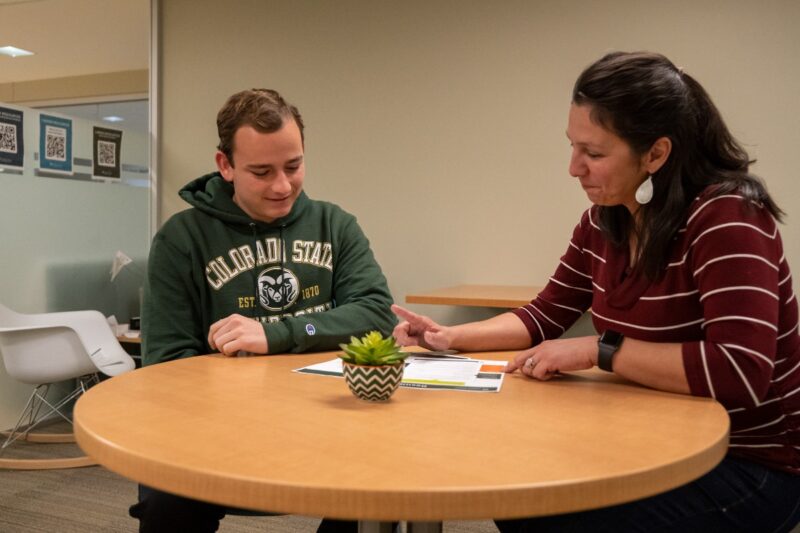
(418, 330)
(237, 333)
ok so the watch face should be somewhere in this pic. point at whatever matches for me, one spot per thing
(611, 338)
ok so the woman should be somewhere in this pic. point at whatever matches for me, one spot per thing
(682, 265)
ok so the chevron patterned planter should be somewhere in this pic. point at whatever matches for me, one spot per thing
(373, 383)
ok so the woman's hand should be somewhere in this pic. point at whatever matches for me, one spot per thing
(418, 330)
(547, 359)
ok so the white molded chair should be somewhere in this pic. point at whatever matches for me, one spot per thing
(48, 348)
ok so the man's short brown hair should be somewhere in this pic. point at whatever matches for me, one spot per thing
(263, 109)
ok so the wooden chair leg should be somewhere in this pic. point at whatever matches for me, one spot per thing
(46, 464)
(43, 437)
(32, 412)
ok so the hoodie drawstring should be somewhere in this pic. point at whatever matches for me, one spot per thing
(283, 257)
(282, 246)
(253, 272)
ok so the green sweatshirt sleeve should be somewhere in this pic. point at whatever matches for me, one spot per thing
(171, 325)
(362, 301)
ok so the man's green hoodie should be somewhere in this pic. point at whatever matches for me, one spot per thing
(310, 277)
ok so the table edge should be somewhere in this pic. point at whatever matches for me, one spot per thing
(422, 505)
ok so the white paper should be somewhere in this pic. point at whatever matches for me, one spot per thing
(436, 369)
(437, 374)
(120, 261)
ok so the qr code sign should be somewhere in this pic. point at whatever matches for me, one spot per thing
(56, 144)
(106, 154)
(8, 138)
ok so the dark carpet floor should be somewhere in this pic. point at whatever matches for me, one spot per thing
(93, 499)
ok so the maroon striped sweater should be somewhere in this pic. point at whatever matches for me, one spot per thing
(726, 296)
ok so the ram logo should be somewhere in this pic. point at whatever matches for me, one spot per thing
(277, 288)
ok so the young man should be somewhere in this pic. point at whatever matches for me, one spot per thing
(255, 267)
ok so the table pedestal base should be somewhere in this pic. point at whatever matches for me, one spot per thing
(366, 526)
(424, 527)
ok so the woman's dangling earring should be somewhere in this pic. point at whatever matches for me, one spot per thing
(645, 191)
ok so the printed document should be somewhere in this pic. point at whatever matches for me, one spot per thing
(463, 374)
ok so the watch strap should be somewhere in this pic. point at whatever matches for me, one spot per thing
(607, 346)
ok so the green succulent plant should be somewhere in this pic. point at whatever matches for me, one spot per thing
(372, 350)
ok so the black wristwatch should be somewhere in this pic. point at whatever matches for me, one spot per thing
(608, 345)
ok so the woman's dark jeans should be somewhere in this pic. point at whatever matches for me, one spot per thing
(736, 496)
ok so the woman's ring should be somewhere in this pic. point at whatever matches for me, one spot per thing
(530, 363)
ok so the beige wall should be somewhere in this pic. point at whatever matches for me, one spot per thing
(440, 124)
(104, 86)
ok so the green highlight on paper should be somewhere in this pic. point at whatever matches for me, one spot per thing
(435, 382)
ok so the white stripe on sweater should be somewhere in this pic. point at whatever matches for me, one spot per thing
(764, 436)
(732, 224)
(668, 296)
(734, 256)
(767, 402)
(703, 206)
(714, 228)
(742, 318)
(783, 376)
(648, 328)
(755, 445)
(705, 368)
(598, 287)
(568, 308)
(547, 317)
(741, 375)
(576, 271)
(752, 352)
(795, 391)
(591, 222)
(788, 332)
(541, 331)
(554, 280)
(739, 288)
(777, 420)
(588, 251)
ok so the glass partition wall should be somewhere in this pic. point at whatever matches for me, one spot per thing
(75, 182)
(63, 228)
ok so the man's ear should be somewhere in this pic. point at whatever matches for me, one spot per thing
(224, 166)
(657, 155)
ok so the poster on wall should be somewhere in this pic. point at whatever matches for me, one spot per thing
(106, 152)
(55, 144)
(12, 147)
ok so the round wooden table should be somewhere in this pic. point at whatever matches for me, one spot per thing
(249, 432)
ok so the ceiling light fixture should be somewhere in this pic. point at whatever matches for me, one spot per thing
(113, 118)
(13, 51)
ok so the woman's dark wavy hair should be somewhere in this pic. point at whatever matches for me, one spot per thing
(642, 97)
